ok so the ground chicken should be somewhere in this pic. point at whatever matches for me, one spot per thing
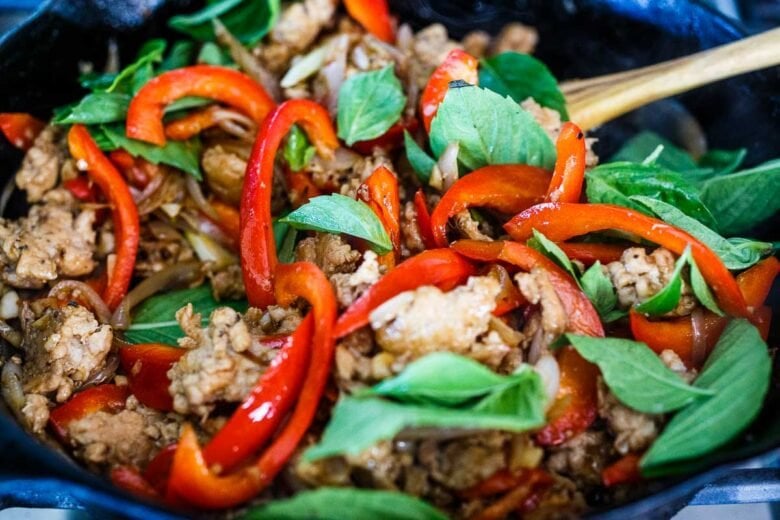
(368, 53)
(582, 457)
(41, 165)
(224, 167)
(160, 246)
(411, 238)
(464, 462)
(227, 283)
(672, 360)
(63, 347)
(537, 288)
(217, 367)
(132, 436)
(477, 43)
(638, 276)
(349, 287)
(429, 48)
(516, 37)
(330, 252)
(36, 412)
(55, 240)
(468, 226)
(550, 121)
(275, 320)
(563, 500)
(634, 431)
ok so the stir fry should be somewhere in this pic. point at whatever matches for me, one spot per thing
(304, 260)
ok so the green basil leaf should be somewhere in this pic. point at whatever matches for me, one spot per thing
(636, 375)
(421, 162)
(599, 290)
(186, 103)
(723, 162)
(151, 52)
(551, 250)
(95, 108)
(736, 253)
(358, 504)
(369, 104)
(490, 129)
(339, 214)
(701, 290)
(615, 183)
(298, 152)
(154, 320)
(180, 55)
(667, 298)
(184, 155)
(521, 76)
(212, 54)
(738, 371)
(97, 81)
(643, 144)
(247, 20)
(740, 201)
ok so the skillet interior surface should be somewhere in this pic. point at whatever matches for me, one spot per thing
(578, 38)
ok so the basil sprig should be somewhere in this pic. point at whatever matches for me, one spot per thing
(297, 149)
(369, 104)
(247, 20)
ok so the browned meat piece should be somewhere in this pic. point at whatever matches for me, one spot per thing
(582, 458)
(224, 167)
(464, 462)
(638, 276)
(469, 227)
(516, 37)
(368, 53)
(160, 246)
(411, 239)
(429, 48)
(63, 347)
(550, 120)
(562, 501)
(132, 436)
(36, 412)
(54, 240)
(538, 290)
(634, 431)
(477, 43)
(349, 286)
(41, 165)
(330, 252)
(227, 283)
(275, 320)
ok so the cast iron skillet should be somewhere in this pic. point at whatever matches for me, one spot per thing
(579, 38)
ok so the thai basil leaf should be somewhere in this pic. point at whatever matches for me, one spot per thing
(521, 76)
(421, 162)
(97, 81)
(740, 201)
(701, 290)
(339, 214)
(599, 290)
(369, 104)
(723, 162)
(212, 54)
(615, 183)
(247, 20)
(298, 152)
(180, 55)
(636, 375)
(736, 253)
(154, 320)
(334, 503)
(738, 371)
(667, 298)
(551, 250)
(490, 129)
(95, 108)
(643, 144)
(132, 77)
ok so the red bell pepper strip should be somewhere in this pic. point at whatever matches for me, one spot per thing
(300, 187)
(756, 282)
(131, 480)
(374, 16)
(137, 171)
(510, 297)
(229, 219)
(590, 253)
(762, 319)
(192, 124)
(505, 188)
(158, 471)
(380, 192)
(20, 129)
(424, 219)
(458, 65)
(261, 412)
(146, 367)
(125, 213)
(624, 471)
(228, 86)
(530, 482)
(95, 399)
(257, 246)
(440, 267)
(81, 188)
(500, 482)
(566, 183)
(582, 316)
(561, 221)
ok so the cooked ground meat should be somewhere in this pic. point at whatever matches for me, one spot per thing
(160, 246)
(275, 320)
(469, 227)
(227, 283)
(477, 43)
(538, 290)
(673, 361)
(40, 169)
(224, 168)
(411, 239)
(36, 412)
(464, 462)
(330, 252)
(431, 45)
(516, 37)
(55, 240)
(63, 347)
(634, 431)
(582, 457)
(350, 286)
(550, 120)
(562, 501)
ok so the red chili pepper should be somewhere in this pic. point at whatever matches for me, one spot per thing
(192, 479)
(388, 141)
(300, 187)
(458, 65)
(589, 253)
(257, 246)
(261, 412)
(440, 267)
(158, 471)
(424, 219)
(125, 213)
(229, 219)
(374, 16)
(566, 183)
(561, 221)
(192, 124)
(228, 86)
(529, 483)
(20, 129)
(624, 471)
(81, 188)
(95, 399)
(131, 480)
(146, 367)
(380, 192)
(505, 188)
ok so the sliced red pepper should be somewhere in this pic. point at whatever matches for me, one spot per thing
(20, 129)
(624, 471)
(374, 16)
(137, 171)
(500, 482)
(131, 480)
(257, 246)
(228, 86)
(229, 219)
(380, 192)
(590, 253)
(81, 188)
(158, 471)
(105, 398)
(510, 297)
(528, 483)
(192, 124)
(388, 141)
(300, 187)
(440, 267)
(506, 188)
(458, 65)
(566, 183)
(261, 412)
(125, 213)
(146, 367)
(424, 219)
(756, 282)
(561, 221)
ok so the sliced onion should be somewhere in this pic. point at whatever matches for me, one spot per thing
(174, 276)
(196, 194)
(306, 66)
(10, 334)
(12, 391)
(448, 165)
(209, 250)
(93, 299)
(204, 226)
(699, 347)
(335, 72)
(236, 124)
(548, 370)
